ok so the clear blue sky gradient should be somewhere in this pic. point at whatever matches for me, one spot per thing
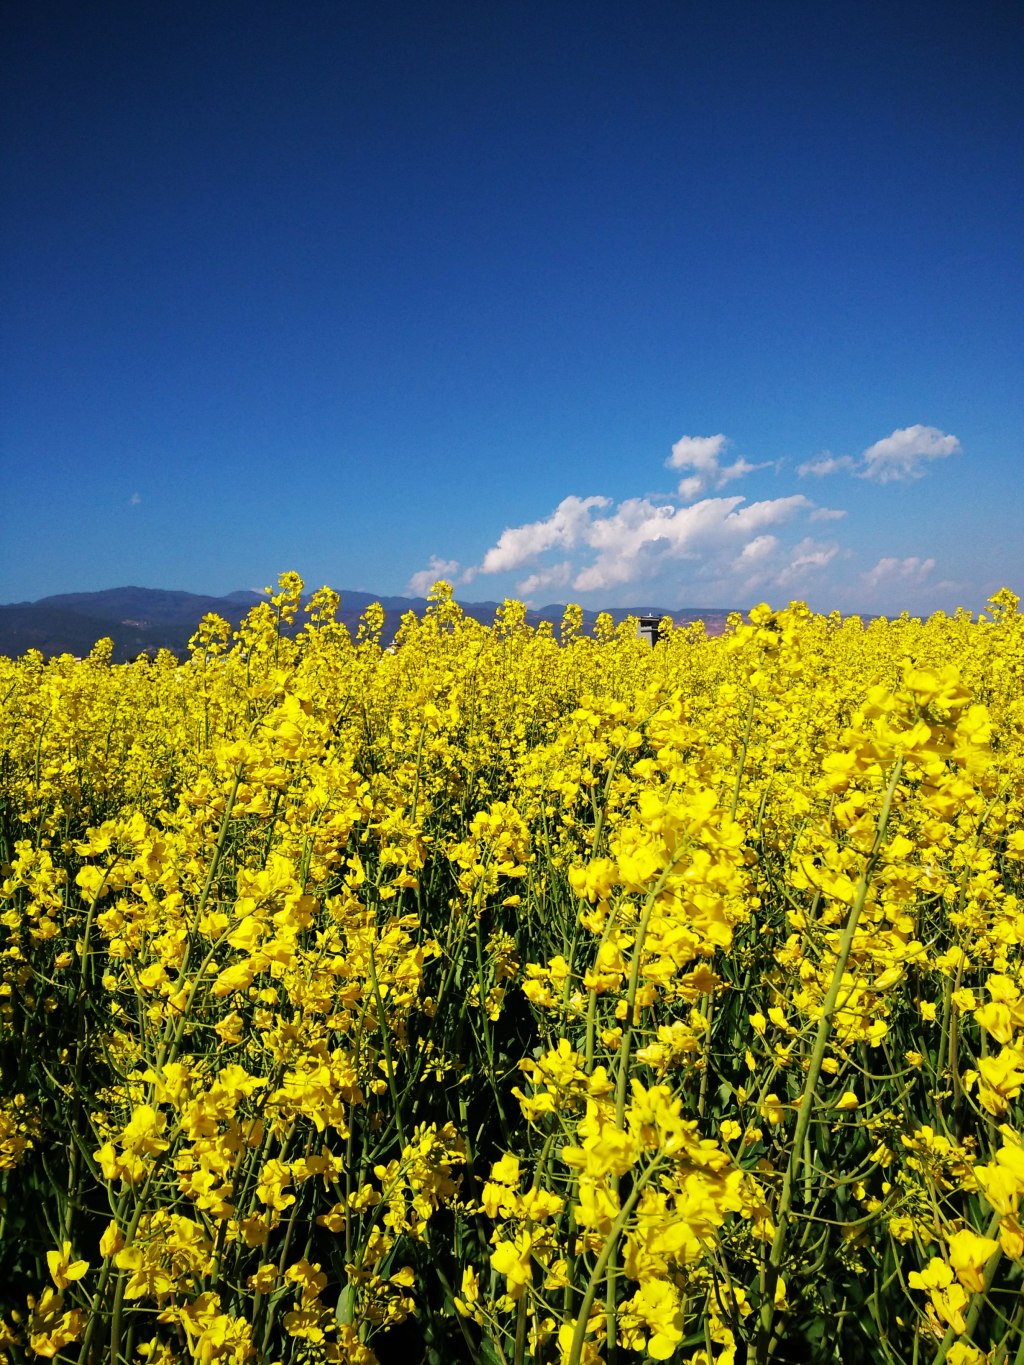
(354, 288)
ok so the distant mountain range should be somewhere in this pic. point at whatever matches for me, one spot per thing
(142, 620)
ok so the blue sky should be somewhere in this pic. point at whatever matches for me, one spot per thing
(656, 304)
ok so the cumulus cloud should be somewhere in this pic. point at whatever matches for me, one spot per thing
(697, 452)
(639, 538)
(702, 454)
(890, 569)
(639, 525)
(827, 514)
(640, 534)
(905, 453)
(421, 583)
(518, 545)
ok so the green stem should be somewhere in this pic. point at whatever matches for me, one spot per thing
(977, 1302)
(777, 1255)
(173, 1033)
(744, 745)
(600, 1266)
(385, 1043)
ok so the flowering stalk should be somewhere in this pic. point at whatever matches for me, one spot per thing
(764, 1345)
(604, 1255)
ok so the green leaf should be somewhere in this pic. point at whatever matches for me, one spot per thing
(345, 1311)
(490, 1354)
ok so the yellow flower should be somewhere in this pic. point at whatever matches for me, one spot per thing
(470, 1285)
(962, 1353)
(968, 1253)
(273, 1182)
(264, 1279)
(947, 1299)
(506, 1170)
(1000, 1079)
(772, 1108)
(513, 1260)
(142, 1133)
(63, 1270)
(50, 1329)
(653, 1312)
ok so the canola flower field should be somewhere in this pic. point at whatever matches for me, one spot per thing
(513, 995)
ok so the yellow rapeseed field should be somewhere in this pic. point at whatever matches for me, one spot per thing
(513, 995)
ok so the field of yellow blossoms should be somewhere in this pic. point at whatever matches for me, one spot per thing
(516, 995)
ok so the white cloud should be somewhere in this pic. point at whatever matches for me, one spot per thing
(911, 570)
(770, 512)
(697, 452)
(904, 454)
(690, 489)
(702, 455)
(421, 583)
(620, 539)
(806, 557)
(134, 500)
(713, 547)
(825, 464)
(901, 456)
(640, 536)
(517, 545)
(555, 577)
(756, 550)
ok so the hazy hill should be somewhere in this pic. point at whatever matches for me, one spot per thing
(139, 619)
(150, 606)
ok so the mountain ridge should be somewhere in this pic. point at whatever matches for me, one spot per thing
(143, 620)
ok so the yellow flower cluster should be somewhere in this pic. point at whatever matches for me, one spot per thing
(507, 995)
